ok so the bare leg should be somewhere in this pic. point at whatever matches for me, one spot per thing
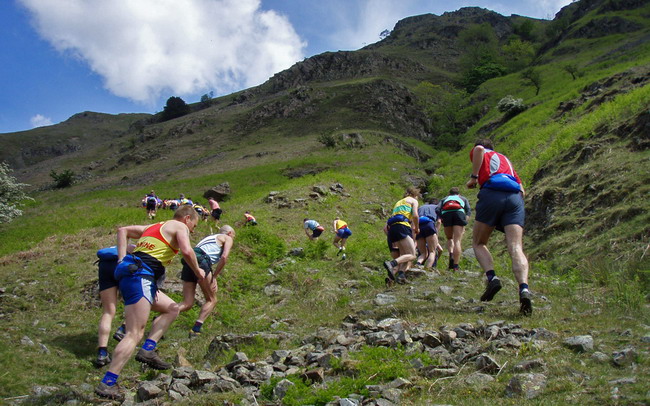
(168, 310)
(424, 252)
(458, 232)
(449, 233)
(109, 304)
(514, 237)
(480, 237)
(189, 289)
(432, 243)
(209, 289)
(136, 316)
(406, 253)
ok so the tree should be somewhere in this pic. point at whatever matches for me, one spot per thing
(11, 195)
(532, 76)
(518, 54)
(572, 69)
(473, 78)
(448, 109)
(175, 107)
(205, 99)
(384, 34)
(481, 60)
(63, 179)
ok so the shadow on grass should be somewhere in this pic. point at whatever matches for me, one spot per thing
(82, 345)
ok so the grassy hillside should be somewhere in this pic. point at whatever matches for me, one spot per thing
(581, 147)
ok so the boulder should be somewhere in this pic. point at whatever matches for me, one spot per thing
(221, 192)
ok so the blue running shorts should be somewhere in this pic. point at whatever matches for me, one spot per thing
(499, 209)
(343, 232)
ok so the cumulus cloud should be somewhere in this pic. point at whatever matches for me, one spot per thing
(146, 47)
(40, 121)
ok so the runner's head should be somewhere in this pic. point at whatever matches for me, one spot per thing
(485, 143)
(412, 191)
(226, 229)
(454, 191)
(188, 216)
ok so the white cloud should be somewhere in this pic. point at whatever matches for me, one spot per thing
(143, 48)
(40, 121)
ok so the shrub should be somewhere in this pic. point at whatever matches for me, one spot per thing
(63, 179)
(11, 193)
(328, 140)
(511, 106)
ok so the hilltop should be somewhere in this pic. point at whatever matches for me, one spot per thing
(343, 133)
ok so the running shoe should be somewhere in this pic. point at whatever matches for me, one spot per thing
(525, 303)
(102, 360)
(152, 359)
(119, 333)
(401, 278)
(194, 334)
(491, 289)
(110, 392)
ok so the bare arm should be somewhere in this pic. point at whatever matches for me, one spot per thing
(477, 160)
(123, 235)
(185, 247)
(415, 217)
(227, 245)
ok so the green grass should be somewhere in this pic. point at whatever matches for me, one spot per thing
(589, 265)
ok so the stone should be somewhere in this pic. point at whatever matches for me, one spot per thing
(530, 365)
(623, 381)
(180, 388)
(432, 339)
(485, 363)
(528, 385)
(315, 375)
(281, 388)
(584, 343)
(433, 371)
(224, 384)
(400, 383)
(148, 390)
(599, 357)
(237, 359)
(221, 192)
(624, 357)
(446, 289)
(478, 379)
(383, 299)
(200, 378)
(392, 394)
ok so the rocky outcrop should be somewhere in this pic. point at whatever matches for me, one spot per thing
(331, 66)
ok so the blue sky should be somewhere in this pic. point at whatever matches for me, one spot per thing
(62, 57)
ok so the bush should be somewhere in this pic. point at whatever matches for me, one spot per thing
(63, 179)
(11, 193)
(328, 140)
(511, 106)
(175, 107)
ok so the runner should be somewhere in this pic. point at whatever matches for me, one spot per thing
(454, 210)
(107, 263)
(314, 227)
(215, 211)
(427, 239)
(213, 249)
(402, 225)
(152, 202)
(250, 220)
(342, 232)
(501, 206)
(137, 273)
